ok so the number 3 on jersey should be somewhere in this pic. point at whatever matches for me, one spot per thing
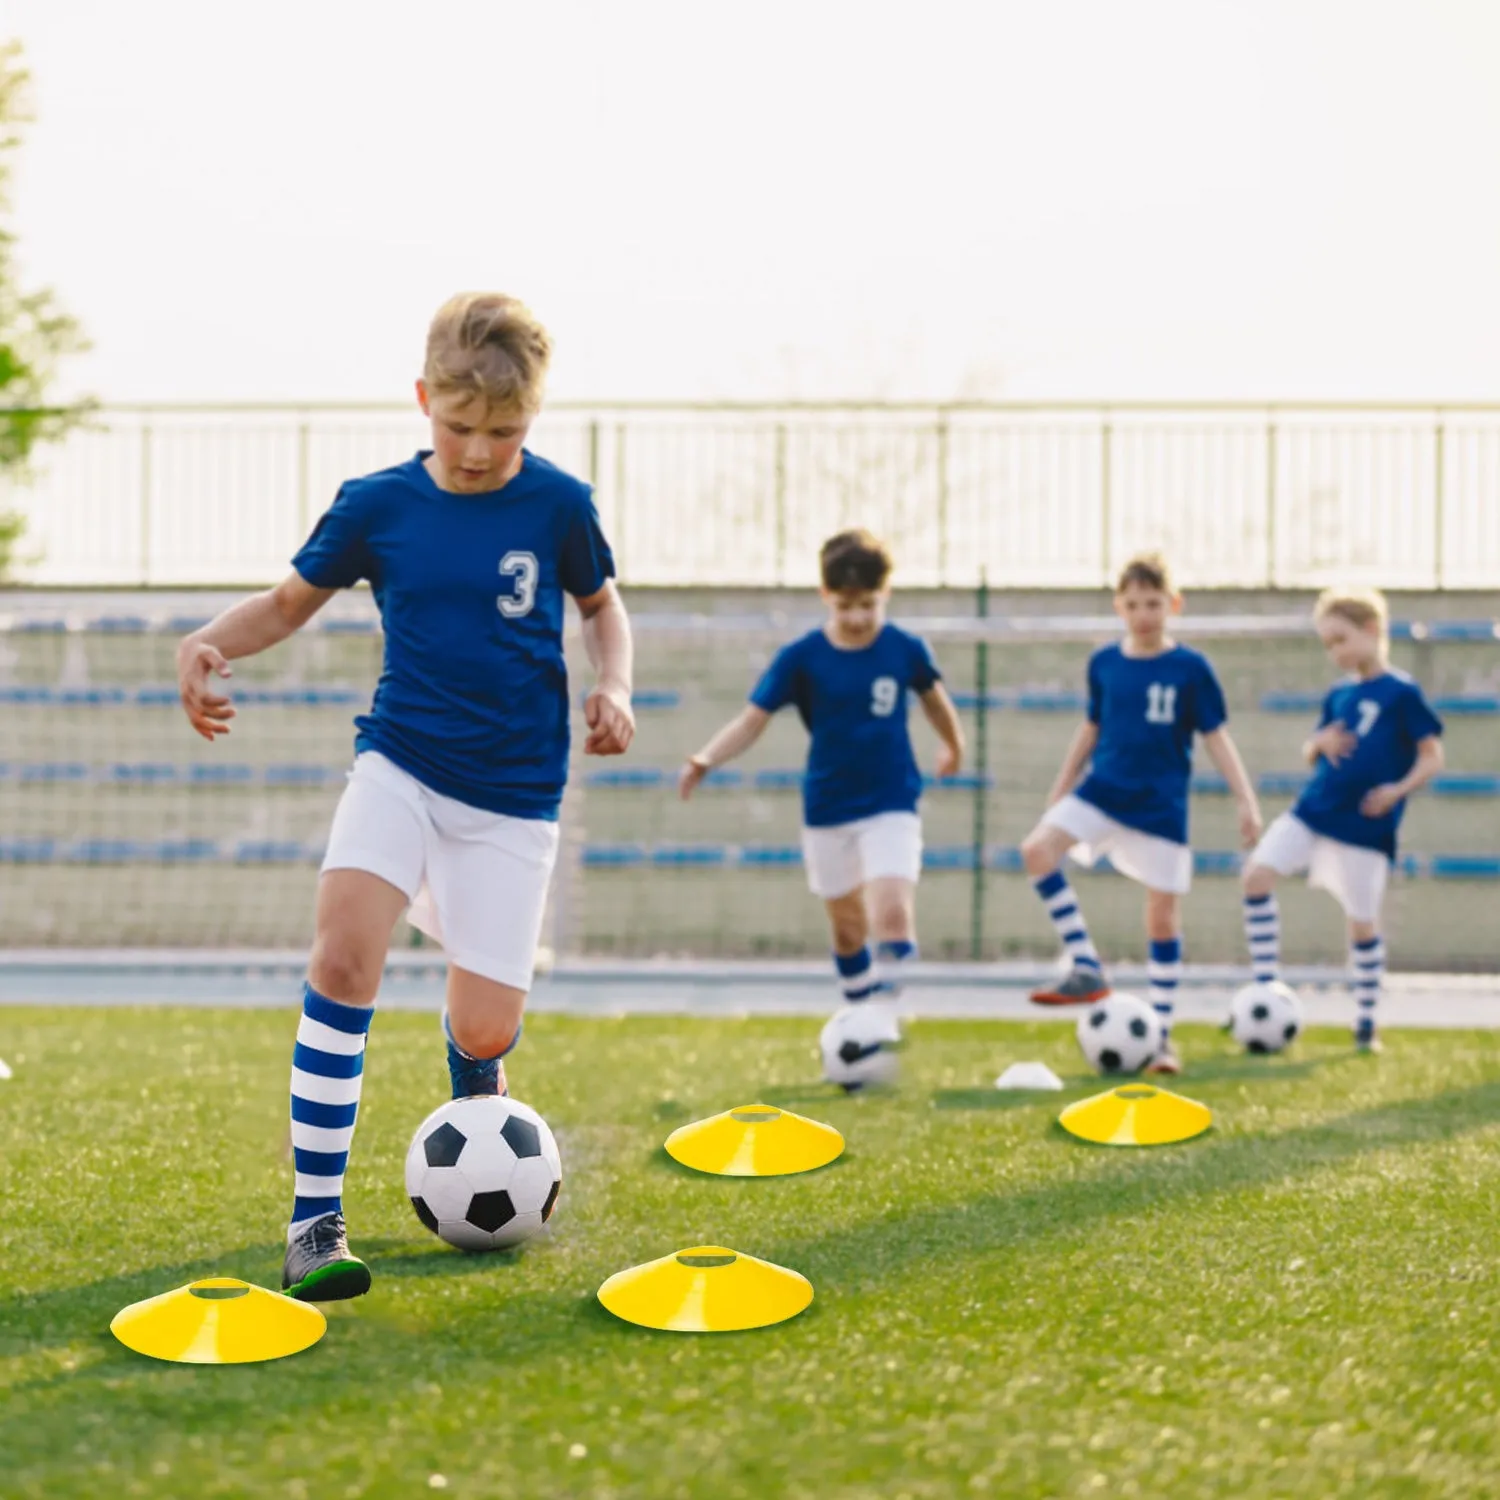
(1161, 703)
(520, 566)
(884, 692)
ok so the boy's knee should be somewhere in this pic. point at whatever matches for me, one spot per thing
(483, 1036)
(1038, 855)
(342, 972)
(1258, 880)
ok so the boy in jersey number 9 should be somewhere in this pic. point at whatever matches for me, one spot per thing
(451, 807)
(1148, 697)
(862, 836)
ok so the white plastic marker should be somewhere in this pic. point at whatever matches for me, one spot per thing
(4, 1069)
(1028, 1075)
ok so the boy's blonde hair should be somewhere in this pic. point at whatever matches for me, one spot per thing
(491, 346)
(855, 559)
(1148, 569)
(1360, 607)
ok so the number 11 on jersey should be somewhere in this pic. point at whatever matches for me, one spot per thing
(1161, 703)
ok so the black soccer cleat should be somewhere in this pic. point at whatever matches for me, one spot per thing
(318, 1265)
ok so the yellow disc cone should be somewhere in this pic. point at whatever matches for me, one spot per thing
(1136, 1114)
(706, 1289)
(219, 1321)
(755, 1140)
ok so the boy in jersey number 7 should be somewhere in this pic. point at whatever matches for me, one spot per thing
(1377, 741)
(862, 835)
(459, 766)
(1148, 697)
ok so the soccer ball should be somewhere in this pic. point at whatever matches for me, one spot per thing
(483, 1173)
(859, 1045)
(1265, 1017)
(1120, 1034)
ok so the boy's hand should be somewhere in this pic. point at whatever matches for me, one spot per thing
(693, 771)
(611, 723)
(949, 759)
(208, 712)
(1334, 742)
(1379, 800)
(1251, 826)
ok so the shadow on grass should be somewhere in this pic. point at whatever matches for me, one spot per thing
(1207, 1167)
(1004, 1099)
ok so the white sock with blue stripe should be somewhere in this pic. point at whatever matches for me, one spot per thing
(1067, 920)
(893, 960)
(1164, 971)
(328, 1065)
(1263, 933)
(857, 977)
(1366, 974)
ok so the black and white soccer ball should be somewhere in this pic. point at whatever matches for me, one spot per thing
(859, 1045)
(1120, 1034)
(483, 1173)
(1265, 1017)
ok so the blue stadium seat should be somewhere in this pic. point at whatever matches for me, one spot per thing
(298, 775)
(754, 855)
(208, 773)
(1282, 783)
(30, 851)
(778, 781)
(1467, 703)
(146, 773)
(1291, 703)
(55, 771)
(1464, 867)
(614, 856)
(1006, 858)
(634, 776)
(271, 852)
(696, 855)
(1465, 784)
(1216, 862)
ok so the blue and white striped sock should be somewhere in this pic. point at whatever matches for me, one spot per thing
(893, 960)
(857, 977)
(1263, 933)
(472, 1077)
(328, 1065)
(1164, 971)
(1062, 906)
(1366, 973)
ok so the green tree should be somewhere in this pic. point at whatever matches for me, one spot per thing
(35, 333)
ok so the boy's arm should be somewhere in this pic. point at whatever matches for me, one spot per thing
(1226, 756)
(938, 707)
(1080, 747)
(733, 739)
(244, 629)
(611, 652)
(1430, 760)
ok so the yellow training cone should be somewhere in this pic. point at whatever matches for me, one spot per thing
(756, 1140)
(707, 1289)
(220, 1321)
(1135, 1114)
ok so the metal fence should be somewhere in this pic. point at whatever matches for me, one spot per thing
(1057, 495)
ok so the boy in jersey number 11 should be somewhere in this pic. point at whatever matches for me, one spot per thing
(451, 807)
(862, 835)
(1148, 697)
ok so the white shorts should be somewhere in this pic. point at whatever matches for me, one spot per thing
(842, 858)
(1354, 877)
(1157, 863)
(477, 880)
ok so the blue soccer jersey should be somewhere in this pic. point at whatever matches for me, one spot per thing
(1147, 710)
(1387, 715)
(860, 760)
(473, 691)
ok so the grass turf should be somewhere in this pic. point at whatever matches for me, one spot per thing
(1301, 1303)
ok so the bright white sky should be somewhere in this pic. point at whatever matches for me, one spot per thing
(817, 198)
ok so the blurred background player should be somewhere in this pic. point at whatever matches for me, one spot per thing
(1148, 696)
(460, 763)
(1377, 741)
(862, 834)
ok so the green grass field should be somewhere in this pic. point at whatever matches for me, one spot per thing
(1302, 1303)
